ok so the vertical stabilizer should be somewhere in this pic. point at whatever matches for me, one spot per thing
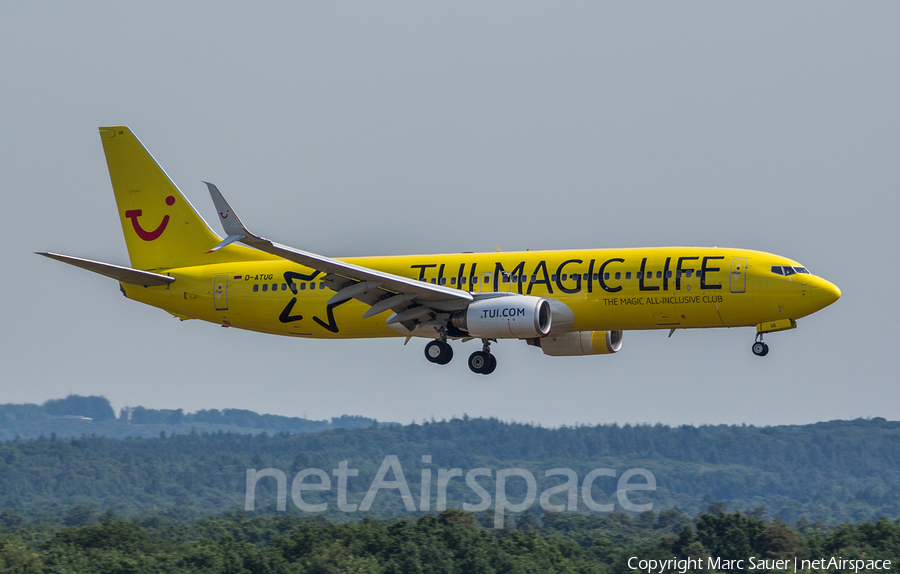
(162, 229)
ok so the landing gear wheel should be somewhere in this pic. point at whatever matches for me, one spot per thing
(492, 364)
(482, 363)
(760, 349)
(438, 352)
(447, 356)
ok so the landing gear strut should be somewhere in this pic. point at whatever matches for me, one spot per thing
(439, 351)
(483, 362)
(760, 349)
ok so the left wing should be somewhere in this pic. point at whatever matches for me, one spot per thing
(415, 303)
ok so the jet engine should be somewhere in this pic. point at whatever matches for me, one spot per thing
(514, 316)
(580, 343)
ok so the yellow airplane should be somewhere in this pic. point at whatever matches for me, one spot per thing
(566, 303)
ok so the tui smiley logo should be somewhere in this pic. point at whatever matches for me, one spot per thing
(133, 215)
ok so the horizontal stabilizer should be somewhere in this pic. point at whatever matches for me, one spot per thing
(125, 274)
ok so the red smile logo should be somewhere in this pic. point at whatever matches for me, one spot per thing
(133, 215)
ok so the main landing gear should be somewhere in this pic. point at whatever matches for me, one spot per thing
(760, 349)
(439, 352)
(483, 362)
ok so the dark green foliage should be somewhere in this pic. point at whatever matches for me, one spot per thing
(779, 541)
(96, 408)
(730, 536)
(831, 472)
(11, 517)
(80, 515)
(447, 543)
(142, 416)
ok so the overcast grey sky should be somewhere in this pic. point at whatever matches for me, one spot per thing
(390, 128)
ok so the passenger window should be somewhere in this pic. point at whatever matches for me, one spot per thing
(284, 286)
(453, 280)
(596, 276)
(255, 287)
(618, 275)
(505, 278)
(606, 276)
(659, 274)
(533, 278)
(274, 286)
(628, 275)
(553, 277)
(432, 280)
(668, 274)
(265, 286)
(462, 280)
(312, 285)
(443, 280)
(699, 274)
(776, 269)
(303, 286)
(474, 280)
(639, 275)
(565, 276)
(321, 285)
(586, 275)
(688, 273)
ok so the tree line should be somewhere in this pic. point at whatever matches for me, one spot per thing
(76, 415)
(835, 472)
(449, 542)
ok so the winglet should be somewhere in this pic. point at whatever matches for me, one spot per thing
(231, 223)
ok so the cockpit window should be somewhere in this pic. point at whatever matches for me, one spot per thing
(787, 270)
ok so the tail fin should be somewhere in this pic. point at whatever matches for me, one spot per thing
(162, 229)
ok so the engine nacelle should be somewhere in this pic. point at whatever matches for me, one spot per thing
(581, 343)
(511, 317)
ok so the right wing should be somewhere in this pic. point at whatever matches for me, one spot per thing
(415, 303)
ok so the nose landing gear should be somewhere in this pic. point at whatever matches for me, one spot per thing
(759, 348)
(483, 362)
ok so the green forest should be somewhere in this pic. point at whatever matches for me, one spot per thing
(84, 490)
(452, 541)
(832, 472)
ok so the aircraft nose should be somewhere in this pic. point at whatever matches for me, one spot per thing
(826, 292)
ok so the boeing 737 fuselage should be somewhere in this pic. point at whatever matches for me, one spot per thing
(567, 303)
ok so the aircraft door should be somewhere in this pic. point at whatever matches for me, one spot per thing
(487, 282)
(738, 275)
(220, 292)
